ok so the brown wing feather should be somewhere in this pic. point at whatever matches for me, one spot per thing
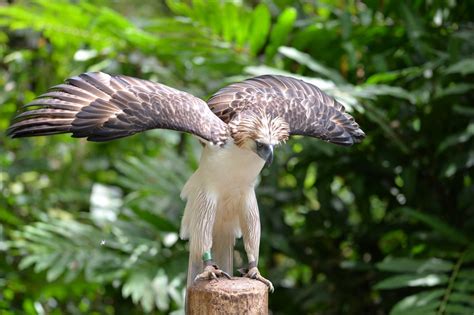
(308, 110)
(103, 107)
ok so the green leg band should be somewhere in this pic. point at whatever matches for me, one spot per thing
(206, 256)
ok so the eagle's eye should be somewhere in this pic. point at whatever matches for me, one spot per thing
(259, 145)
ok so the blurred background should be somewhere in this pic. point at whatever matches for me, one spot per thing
(384, 227)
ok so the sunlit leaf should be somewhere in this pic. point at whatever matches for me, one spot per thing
(412, 280)
(421, 303)
(280, 31)
(464, 67)
(260, 28)
(305, 59)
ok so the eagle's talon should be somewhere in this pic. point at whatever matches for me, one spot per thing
(212, 272)
(253, 273)
(265, 281)
(225, 274)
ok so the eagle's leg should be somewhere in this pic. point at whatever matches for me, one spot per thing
(250, 225)
(252, 272)
(197, 224)
(211, 270)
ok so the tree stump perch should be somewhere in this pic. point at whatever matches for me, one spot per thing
(236, 296)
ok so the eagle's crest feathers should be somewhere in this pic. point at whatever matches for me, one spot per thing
(258, 126)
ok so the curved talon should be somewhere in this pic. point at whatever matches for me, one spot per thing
(267, 282)
(212, 272)
(225, 274)
(253, 273)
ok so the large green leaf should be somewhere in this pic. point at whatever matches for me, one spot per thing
(412, 280)
(159, 222)
(280, 31)
(425, 302)
(259, 28)
(306, 60)
(464, 67)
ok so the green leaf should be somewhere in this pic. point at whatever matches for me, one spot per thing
(242, 27)
(437, 225)
(461, 161)
(464, 285)
(412, 280)
(466, 274)
(139, 287)
(462, 298)
(160, 284)
(415, 265)
(458, 309)
(45, 261)
(419, 303)
(312, 64)
(464, 67)
(179, 7)
(371, 91)
(259, 28)
(464, 110)
(60, 266)
(160, 223)
(231, 21)
(383, 77)
(453, 89)
(457, 138)
(28, 261)
(280, 31)
(469, 254)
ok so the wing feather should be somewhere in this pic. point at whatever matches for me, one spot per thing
(307, 110)
(102, 107)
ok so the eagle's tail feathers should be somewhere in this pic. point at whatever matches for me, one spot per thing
(223, 251)
(195, 267)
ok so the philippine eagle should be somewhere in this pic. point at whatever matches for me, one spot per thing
(239, 127)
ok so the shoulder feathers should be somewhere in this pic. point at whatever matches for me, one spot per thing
(307, 110)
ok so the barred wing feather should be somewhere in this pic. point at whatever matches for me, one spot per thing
(307, 109)
(102, 107)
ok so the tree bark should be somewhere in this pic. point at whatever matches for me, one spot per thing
(236, 296)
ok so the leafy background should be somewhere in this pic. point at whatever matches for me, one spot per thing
(385, 227)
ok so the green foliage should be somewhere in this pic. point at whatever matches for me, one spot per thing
(129, 245)
(384, 227)
(448, 283)
(455, 280)
(280, 32)
(247, 29)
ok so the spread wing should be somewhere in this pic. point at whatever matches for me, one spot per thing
(307, 110)
(102, 107)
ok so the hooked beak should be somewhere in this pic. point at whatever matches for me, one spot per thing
(265, 152)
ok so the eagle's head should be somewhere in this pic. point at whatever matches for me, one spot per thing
(259, 132)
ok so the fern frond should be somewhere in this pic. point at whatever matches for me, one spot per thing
(452, 285)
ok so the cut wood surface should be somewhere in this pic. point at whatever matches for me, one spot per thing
(235, 296)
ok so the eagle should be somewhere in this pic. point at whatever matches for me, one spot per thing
(239, 127)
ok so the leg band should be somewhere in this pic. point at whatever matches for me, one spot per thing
(206, 256)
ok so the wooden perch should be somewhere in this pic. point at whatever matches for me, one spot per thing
(236, 296)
